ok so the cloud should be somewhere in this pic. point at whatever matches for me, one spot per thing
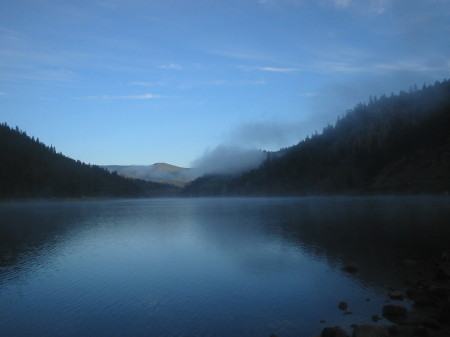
(2, 93)
(143, 96)
(270, 69)
(278, 70)
(227, 159)
(148, 84)
(267, 134)
(42, 74)
(361, 6)
(308, 94)
(172, 66)
(342, 3)
(222, 83)
(411, 65)
(241, 54)
(9, 34)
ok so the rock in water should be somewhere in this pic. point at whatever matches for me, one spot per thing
(394, 310)
(351, 268)
(333, 332)
(343, 305)
(396, 295)
(366, 330)
(444, 315)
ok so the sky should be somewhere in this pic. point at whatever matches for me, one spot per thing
(145, 81)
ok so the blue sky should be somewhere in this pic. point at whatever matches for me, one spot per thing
(139, 82)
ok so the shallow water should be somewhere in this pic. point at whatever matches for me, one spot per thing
(207, 267)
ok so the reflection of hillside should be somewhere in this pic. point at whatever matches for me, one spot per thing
(26, 228)
(376, 233)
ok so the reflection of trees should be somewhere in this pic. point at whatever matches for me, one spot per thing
(28, 228)
(376, 233)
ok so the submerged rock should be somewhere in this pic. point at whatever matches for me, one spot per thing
(351, 268)
(430, 323)
(393, 330)
(394, 310)
(366, 330)
(421, 331)
(444, 315)
(343, 305)
(396, 295)
(333, 332)
(376, 318)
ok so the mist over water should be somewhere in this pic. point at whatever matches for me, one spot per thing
(206, 267)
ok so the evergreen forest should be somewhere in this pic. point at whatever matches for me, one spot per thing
(29, 169)
(390, 145)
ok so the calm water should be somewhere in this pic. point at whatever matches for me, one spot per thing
(206, 267)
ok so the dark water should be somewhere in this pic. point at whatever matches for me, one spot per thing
(207, 267)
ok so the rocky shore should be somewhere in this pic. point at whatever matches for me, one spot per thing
(427, 286)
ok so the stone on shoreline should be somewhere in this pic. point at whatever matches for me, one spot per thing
(396, 295)
(444, 315)
(333, 332)
(343, 305)
(394, 310)
(367, 330)
(351, 268)
(430, 323)
(376, 318)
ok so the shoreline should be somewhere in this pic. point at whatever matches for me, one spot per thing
(426, 286)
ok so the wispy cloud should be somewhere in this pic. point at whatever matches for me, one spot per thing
(2, 93)
(342, 3)
(40, 74)
(367, 6)
(224, 83)
(138, 97)
(9, 33)
(147, 84)
(172, 66)
(308, 94)
(241, 54)
(270, 69)
(407, 65)
(279, 70)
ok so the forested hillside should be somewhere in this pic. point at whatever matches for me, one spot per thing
(396, 144)
(30, 169)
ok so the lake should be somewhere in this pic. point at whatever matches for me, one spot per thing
(207, 267)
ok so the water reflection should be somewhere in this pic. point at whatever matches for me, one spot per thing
(205, 267)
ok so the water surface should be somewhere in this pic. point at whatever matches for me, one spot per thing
(207, 267)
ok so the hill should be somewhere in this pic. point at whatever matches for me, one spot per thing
(396, 144)
(159, 172)
(30, 169)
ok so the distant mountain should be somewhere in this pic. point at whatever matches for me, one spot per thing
(159, 172)
(396, 144)
(30, 169)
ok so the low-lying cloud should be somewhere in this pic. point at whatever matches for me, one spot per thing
(228, 159)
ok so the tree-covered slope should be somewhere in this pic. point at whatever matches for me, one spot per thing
(30, 169)
(396, 144)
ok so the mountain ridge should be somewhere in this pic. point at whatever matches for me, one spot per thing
(157, 172)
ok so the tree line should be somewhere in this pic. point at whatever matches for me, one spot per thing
(395, 144)
(31, 169)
